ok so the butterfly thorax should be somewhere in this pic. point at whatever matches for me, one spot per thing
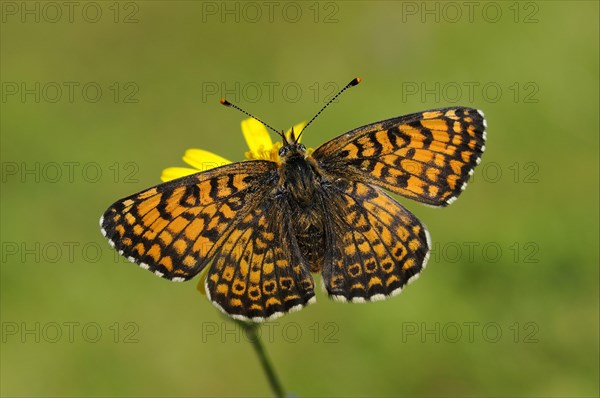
(299, 180)
(297, 177)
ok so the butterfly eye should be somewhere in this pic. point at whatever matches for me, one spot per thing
(282, 151)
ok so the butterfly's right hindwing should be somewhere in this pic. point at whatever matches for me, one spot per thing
(174, 228)
(377, 246)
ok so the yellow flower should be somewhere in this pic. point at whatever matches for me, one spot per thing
(261, 147)
(258, 140)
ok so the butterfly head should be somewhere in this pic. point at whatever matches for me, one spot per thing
(291, 147)
(291, 151)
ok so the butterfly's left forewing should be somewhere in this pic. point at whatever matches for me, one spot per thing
(173, 229)
(427, 156)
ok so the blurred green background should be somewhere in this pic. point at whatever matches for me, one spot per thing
(98, 98)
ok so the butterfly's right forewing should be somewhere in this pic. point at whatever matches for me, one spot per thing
(426, 156)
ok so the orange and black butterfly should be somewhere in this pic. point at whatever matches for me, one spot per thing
(263, 227)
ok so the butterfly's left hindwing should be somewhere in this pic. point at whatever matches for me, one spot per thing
(427, 156)
(259, 272)
(173, 229)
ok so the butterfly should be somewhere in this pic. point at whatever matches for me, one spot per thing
(263, 227)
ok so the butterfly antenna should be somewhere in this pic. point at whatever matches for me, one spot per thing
(353, 83)
(229, 104)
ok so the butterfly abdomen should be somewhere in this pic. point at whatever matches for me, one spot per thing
(311, 243)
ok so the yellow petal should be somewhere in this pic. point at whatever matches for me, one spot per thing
(201, 287)
(257, 137)
(203, 160)
(172, 173)
(297, 130)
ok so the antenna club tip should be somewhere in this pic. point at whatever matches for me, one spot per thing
(223, 101)
(355, 81)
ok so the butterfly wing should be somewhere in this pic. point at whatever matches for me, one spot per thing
(259, 272)
(425, 156)
(374, 246)
(175, 228)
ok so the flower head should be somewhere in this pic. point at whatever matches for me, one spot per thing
(259, 143)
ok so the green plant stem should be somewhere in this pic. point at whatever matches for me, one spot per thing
(251, 333)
